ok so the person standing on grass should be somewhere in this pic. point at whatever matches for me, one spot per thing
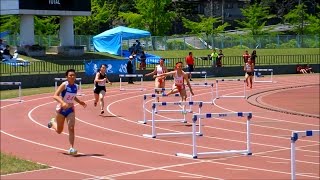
(214, 56)
(245, 56)
(160, 82)
(130, 69)
(65, 95)
(100, 87)
(190, 64)
(249, 69)
(219, 58)
(179, 77)
(253, 56)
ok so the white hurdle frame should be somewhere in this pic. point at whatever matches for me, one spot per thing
(64, 79)
(262, 70)
(294, 137)
(196, 117)
(134, 76)
(199, 72)
(184, 103)
(244, 88)
(144, 109)
(203, 85)
(13, 84)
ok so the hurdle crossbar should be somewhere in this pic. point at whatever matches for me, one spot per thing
(144, 108)
(204, 73)
(222, 80)
(196, 117)
(184, 103)
(131, 75)
(255, 73)
(19, 84)
(210, 85)
(294, 137)
(65, 79)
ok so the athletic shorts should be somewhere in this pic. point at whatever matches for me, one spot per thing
(190, 68)
(64, 112)
(181, 87)
(249, 73)
(98, 89)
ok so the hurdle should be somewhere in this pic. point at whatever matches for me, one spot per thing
(256, 73)
(222, 80)
(13, 84)
(144, 109)
(64, 79)
(197, 117)
(131, 75)
(184, 103)
(165, 89)
(210, 85)
(203, 73)
(294, 137)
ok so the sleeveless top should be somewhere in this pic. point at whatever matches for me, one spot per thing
(69, 92)
(159, 70)
(178, 80)
(101, 76)
(248, 67)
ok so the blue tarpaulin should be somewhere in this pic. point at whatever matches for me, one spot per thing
(4, 34)
(110, 41)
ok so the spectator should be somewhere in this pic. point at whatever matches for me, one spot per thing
(308, 68)
(246, 56)
(130, 69)
(2, 45)
(142, 61)
(219, 58)
(214, 56)
(190, 64)
(300, 69)
(253, 57)
(137, 48)
(6, 53)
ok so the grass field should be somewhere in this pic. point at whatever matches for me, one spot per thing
(11, 164)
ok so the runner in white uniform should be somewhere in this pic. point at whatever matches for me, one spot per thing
(179, 78)
(249, 68)
(160, 82)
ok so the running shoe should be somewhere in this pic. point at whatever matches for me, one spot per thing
(95, 104)
(51, 122)
(102, 111)
(72, 151)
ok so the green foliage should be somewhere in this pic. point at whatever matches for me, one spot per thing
(313, 26)
(271, 46)
(296, 17)
(178, 45)
(291, 44)
(102, 13)
(240, 47)
(46, 25)
(255, 18)
(10, 23)
(206, 25)
(152, 15)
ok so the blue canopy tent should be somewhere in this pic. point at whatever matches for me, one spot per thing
(110, 41)
(4, 34)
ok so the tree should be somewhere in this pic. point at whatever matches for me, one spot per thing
(255, 18)
(151, 15)
(297, 18)
(10, 23)
(313, 26)
(206, 25)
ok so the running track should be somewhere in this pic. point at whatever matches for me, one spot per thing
(112, 146)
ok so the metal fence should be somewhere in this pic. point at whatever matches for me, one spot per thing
(45, 67)
(189, 42)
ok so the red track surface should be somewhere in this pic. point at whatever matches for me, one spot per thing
(112, 146)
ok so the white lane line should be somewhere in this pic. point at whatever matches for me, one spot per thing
(278, 162)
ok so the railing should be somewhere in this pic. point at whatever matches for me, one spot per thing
(186, 42)
(45, 67)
